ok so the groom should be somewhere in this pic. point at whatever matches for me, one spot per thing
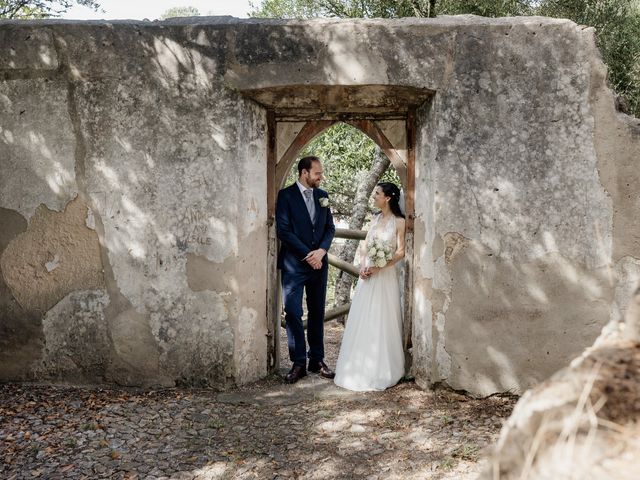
(305, 229)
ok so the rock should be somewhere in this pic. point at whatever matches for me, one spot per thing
(582, 412)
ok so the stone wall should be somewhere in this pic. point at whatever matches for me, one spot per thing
(136, 209)
(134, 195)
(519, 239)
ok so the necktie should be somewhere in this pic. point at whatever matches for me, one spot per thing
(308, 199)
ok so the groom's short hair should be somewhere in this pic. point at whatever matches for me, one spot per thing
(305, 163)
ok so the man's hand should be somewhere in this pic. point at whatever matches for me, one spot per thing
(314, 258)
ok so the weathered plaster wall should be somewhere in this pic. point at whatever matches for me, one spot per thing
(522, 230)
(617, 143)
(519, 266)
(525, 234)
(20, 333)
(515, 270)
(126, 283)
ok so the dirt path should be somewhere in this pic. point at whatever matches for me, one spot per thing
(311, 430)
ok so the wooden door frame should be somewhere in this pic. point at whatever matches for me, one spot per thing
(277, 170)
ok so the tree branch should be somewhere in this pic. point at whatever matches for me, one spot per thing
(11, 11)
(335, 8)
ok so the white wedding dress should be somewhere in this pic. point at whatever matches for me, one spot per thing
(371, 355)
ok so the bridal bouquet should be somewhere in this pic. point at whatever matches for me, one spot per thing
(379, 253)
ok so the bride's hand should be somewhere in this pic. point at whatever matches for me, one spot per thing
(364, 273)
(373, 270)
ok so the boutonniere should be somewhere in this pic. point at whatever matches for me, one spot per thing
(324, 202)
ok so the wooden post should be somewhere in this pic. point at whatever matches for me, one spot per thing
(273, 285)
(409, 201)
(329, 315)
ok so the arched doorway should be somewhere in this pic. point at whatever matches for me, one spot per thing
(353, 164)
(287, 137)
(298, 113)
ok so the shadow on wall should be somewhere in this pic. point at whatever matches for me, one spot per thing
(529, 290)
(137, 120)
(510, 324)
(161, 158)
(518, 223)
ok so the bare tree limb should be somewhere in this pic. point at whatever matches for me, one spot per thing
(12, 8)
(335, 8)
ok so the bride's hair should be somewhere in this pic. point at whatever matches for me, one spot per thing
(393, 192)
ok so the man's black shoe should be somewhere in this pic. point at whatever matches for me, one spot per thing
(321, 369)
(295, 374)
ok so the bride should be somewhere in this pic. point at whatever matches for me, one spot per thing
(371, 355)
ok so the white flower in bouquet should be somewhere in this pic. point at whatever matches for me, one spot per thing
(379, 253)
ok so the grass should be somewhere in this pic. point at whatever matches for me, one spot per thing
(466, 451)
(71, 442)
(447, 463)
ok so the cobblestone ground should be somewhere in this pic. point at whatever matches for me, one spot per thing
(311, 430)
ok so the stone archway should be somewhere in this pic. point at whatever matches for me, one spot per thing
(296, 115)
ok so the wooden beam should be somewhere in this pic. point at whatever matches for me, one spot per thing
(409, 199)
(329, 314)
(350, 234)
(273, 339)
(337, 312)
(409, 203)
(342, 265)
(271, 165)
(308, 133)
(372, 130)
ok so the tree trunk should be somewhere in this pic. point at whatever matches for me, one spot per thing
(360, 206)
(424, 8)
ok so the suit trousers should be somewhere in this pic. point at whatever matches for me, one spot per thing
(314, 283)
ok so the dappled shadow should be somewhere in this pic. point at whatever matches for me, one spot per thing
(152, 149)
(513, 225)
(144, 121)
(400, 433)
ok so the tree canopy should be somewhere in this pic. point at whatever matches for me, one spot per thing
(617, 24)
(347, 155)
(180, 12)
(27, 9)
(389, 8)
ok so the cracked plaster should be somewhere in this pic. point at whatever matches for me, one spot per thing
(525, 214)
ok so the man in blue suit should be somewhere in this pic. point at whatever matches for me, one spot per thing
(305, 229)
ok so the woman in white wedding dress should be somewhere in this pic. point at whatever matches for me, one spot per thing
(371, 355)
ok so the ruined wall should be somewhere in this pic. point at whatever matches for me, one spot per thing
(521, 241)
(131, 201)
(134, 190)
(527, 208)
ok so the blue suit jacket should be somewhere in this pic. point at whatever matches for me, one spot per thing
(297, 233)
